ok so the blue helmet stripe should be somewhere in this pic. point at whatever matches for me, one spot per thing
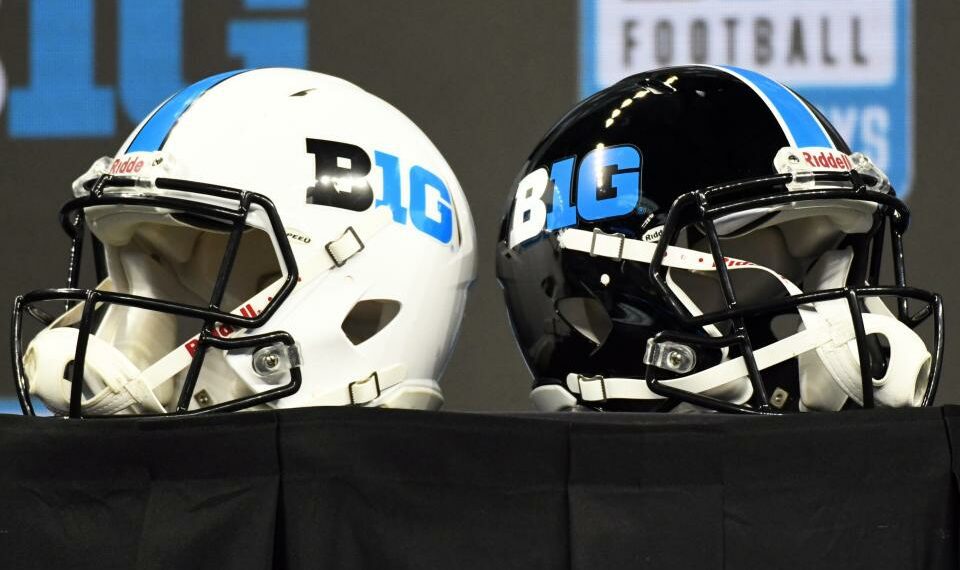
(157, 128)
(802, 127)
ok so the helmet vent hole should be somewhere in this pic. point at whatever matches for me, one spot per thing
(86, 390)
(548, 285)
(878, 348)
(587, 316)
(369, 317)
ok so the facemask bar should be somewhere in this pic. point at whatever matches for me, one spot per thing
(703, 208)
(73, 221)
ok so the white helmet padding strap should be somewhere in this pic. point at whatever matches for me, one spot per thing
(830, 365)
(363, 390)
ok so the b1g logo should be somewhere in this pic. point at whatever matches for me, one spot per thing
(61, 96)
(851, 59)
(342, 169)
(341, 175)
(607, 186)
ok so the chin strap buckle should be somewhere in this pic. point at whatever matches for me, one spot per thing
(602, 234)
(360, 390)
(592, 388)
(342, 249)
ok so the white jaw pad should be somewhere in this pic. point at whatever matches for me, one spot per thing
(837, 365)
(106, 371)
(906, 377)
(552, 398)
(832, 373)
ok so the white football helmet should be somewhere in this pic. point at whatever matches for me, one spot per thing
(257, 228)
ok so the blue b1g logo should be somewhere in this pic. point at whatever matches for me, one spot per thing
(62, 98)
(608, 185)
(851, 59)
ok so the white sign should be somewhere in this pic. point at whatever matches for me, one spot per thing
(852, 59)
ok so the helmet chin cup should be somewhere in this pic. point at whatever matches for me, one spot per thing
(832, 373)
(109, 375)
(552, 398)
(905, 381)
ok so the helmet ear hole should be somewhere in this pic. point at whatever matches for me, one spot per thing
(878, 348)
(587, 316)
(369, 317)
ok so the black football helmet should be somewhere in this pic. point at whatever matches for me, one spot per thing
(701, 237)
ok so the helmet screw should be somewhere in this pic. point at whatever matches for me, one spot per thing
(266, 361)
(793, 158)
(675, 359)
(202, 398)
(669, 355)
(779, 398)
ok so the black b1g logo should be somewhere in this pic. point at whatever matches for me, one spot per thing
(341, 175)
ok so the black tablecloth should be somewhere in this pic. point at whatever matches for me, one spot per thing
(359, 488)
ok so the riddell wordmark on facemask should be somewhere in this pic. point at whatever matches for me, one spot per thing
(827, 159)
(130, 165)
(223, 330)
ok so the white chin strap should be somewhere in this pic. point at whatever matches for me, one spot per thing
(115, 385)
(825, 343)
(388, 387)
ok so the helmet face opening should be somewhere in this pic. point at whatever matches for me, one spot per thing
(737, 256)
(131, 318)
(746, 316)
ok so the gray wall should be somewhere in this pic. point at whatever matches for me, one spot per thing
(484, 80)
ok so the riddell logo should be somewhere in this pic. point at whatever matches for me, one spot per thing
(129, 166)
(834, 161)
(222, 330)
